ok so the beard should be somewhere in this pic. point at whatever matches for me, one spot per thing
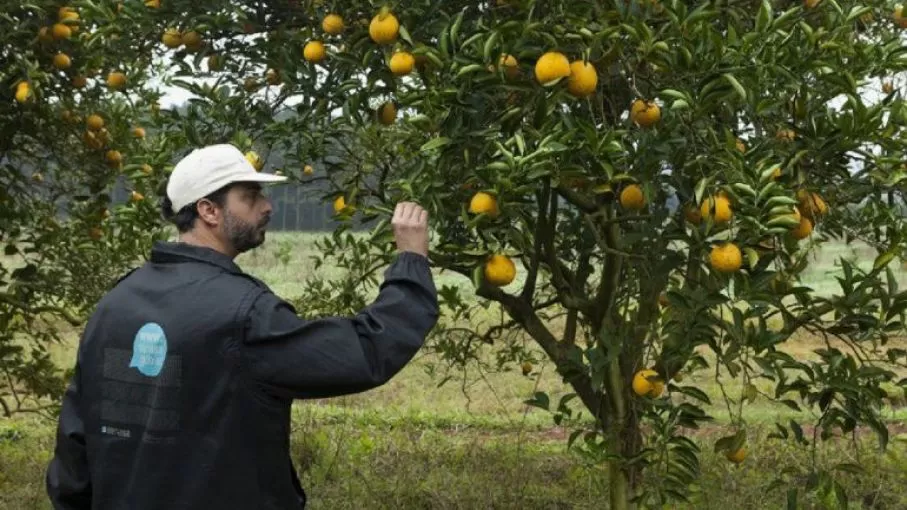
(244, 235)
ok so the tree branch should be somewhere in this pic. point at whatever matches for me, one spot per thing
(561, 276)
(610, 280)
(543, 198)
(581, 201)
(583, 271)
(521, 311)
(65, 314)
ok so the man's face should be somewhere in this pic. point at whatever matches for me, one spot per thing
(246, 215)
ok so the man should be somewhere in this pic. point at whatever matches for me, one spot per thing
(187, 369)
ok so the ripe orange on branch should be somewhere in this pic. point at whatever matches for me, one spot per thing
(551, 66)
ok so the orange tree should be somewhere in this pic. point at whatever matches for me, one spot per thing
(73, 116)
(638, 185)
(659, 174)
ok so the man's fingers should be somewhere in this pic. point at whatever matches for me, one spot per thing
(409, 213)
(414, 213)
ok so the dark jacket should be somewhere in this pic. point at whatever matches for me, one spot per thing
(186, 373)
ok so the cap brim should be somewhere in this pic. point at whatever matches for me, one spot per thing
(264, 178)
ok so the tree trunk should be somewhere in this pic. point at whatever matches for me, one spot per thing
(623, 438)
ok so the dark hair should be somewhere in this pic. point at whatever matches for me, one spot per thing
(184, 219)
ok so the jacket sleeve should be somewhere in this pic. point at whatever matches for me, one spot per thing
(298, 358)
(67, 479)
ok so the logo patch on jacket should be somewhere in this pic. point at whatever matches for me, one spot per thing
(149, 349)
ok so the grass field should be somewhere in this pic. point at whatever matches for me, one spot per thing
(471, 443)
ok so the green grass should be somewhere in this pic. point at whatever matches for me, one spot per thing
(472, 443)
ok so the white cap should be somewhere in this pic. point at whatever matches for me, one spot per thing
(208, 169)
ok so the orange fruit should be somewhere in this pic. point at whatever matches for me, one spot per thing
(644, 113)
(61, 31)
(383, 28)
(314, 51)
(726, 258)
(899, 18)
(23, 92)
(737, 456)
(717, 208)
(583, 79)
(786, 135)
(94, 122)
(803, 230)
(526, 368)
(114, 158)
(332, 24)
(340, 205)
(692, 214)
(172, 38)
(138, 132)
(215, 62)
(193, 40)
(499, 270)
(811, 204)
(510, 65)
(551, 66)
(116, 80)
(387, 113)
(647, 383)
(484, 203)
(62, 61)
(632, 198)
(402, 63)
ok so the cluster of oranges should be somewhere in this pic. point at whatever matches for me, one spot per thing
(96, 135)
(727, 257)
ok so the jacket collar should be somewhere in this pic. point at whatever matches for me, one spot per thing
(175, 252)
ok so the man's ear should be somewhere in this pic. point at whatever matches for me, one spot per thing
(208, 212)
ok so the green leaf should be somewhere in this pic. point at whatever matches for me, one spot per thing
(694, 392)
(744, 188)
(731, 443)
(478, 275)
(540, 400)
(676, 94)
(764, 18)
(434, 143)
(798, 432)
(700, 190)
(736, 84)
(404, 34)
(472, 68)
(489, 45)
(883, 260)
